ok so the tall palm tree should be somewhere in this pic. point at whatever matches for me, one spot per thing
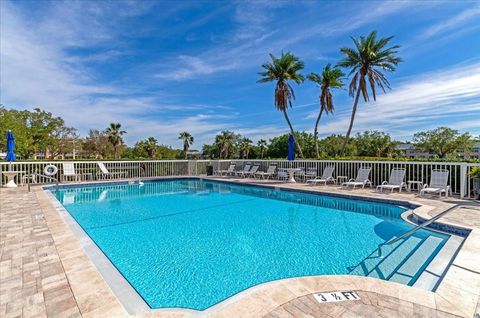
(366, 61)
(114, 135)
(282, 70)
(262, 144)
(187, 139)
(225, 142)
(329, 79)
(244, 147)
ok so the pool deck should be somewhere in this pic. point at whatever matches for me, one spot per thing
(45, 271)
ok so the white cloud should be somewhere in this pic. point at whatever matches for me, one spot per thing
(191, 66)
(420, 102)
(451, 24)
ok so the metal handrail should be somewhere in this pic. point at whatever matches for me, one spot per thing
(43, 176)
(418, 227)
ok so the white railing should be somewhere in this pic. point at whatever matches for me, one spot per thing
(459, 180)
(90, 170)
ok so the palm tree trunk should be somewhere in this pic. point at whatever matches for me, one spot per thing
(354, 111)
(315, 132)
(293, 133)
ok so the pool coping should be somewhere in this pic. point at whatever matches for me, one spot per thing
(237, 298)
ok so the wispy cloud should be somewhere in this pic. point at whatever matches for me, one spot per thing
(453, 23)
(190, 66)
(420, 102)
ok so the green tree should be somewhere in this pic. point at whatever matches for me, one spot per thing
(244, 147)
(331, 147)
(443, 141)
(375, 144)
(282, 70)
(17, 122)
(210, 151)
(262, 145)
(187, 139)
(366, 62)
(146, 148)
(43, 129)
(67, 139)
(278, 147)
(226, 142)
(114, 135)
(96, 144)
(330, 78)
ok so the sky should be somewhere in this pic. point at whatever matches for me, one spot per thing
(162, 67)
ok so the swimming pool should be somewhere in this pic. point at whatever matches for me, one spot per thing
(192, 243)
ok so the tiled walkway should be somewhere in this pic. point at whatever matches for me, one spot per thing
(370, 304)
(32, 278)
(44, 272)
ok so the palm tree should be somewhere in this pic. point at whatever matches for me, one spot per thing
(282, 70)
(330, 78)
(151, 147)
(366, 61)
(262, 144)
(187, 141)
(114, 135)
(225, 142)
(244, 147)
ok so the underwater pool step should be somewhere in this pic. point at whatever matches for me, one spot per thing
(401, 263)
(376, 266)
(411, 268)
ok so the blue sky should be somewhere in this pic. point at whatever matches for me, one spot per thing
(161, 67)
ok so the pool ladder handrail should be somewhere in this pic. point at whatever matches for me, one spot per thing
(418, 227)
(43, 176)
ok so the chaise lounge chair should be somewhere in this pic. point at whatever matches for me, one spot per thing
(251, 172)
(246, 168)
(327, 176)
(310, 173)
(360, 180)
(107, 174)
(395, 181)
(438, 183)
(69, 171)
(269, 173)
(282, 174)
(230, 170)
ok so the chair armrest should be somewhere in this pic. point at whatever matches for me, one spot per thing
(384, 182)
(351, 180)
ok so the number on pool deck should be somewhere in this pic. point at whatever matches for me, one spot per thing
(336, 296)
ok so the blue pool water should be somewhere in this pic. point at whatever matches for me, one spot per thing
(192, 243)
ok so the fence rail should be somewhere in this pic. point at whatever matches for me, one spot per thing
(459, 180)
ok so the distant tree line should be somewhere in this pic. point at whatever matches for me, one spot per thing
(442, 142)
(40, 132)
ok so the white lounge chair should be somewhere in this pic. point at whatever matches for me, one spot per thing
(267, 174)
(230, 170)
(438, 183)
(310, 173)
(107, 174)
(361, 179)
(246, 168)
(251, 172)
(300, 174)
(282, 174)
(396, 181)
(69, 171)
(327, 176)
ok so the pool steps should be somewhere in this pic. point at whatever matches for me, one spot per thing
(416, 261)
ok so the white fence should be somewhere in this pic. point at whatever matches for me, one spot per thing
(459, 180)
